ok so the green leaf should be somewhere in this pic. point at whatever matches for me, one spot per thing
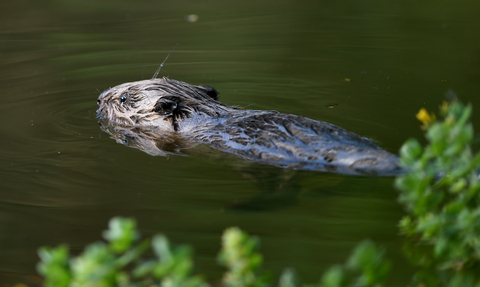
(334, 277)
(161, 247)
(54, 265)
(121, 234)
(288, 278)
(95, 264)
(410, 152)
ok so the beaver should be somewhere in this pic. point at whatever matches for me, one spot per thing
(150, 110)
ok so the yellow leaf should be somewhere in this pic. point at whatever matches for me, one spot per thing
(425, 118)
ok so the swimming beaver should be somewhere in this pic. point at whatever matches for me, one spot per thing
(152, 109)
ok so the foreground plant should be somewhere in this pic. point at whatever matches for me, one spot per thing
(120, 261)
(441, 194)
(110, 263)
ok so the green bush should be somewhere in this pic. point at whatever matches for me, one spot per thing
(441, 191)
(120, 262)
(441, 197)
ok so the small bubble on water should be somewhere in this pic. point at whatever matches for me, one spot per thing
(192, 18)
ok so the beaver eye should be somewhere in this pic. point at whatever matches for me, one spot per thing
(123, 98)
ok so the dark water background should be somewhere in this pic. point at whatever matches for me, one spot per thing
(61, 178)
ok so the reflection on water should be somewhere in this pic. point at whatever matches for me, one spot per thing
(152, 142)
(62, 178)
(270, 138)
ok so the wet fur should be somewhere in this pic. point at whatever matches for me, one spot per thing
(194, 112)
(172, 101)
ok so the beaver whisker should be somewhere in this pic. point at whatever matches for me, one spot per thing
(161, 65)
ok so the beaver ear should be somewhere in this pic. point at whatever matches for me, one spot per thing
(211, 92)
(166, 105)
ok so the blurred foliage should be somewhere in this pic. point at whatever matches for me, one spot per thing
(365, 267)
(239, 256)
(441, 196)
(121, 262)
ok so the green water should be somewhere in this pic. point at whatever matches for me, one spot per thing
(367, 66)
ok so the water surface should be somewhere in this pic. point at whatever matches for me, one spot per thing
(366, 66)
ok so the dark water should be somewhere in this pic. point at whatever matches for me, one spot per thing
(367, 66)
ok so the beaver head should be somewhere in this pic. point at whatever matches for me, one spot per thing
(161, 103)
